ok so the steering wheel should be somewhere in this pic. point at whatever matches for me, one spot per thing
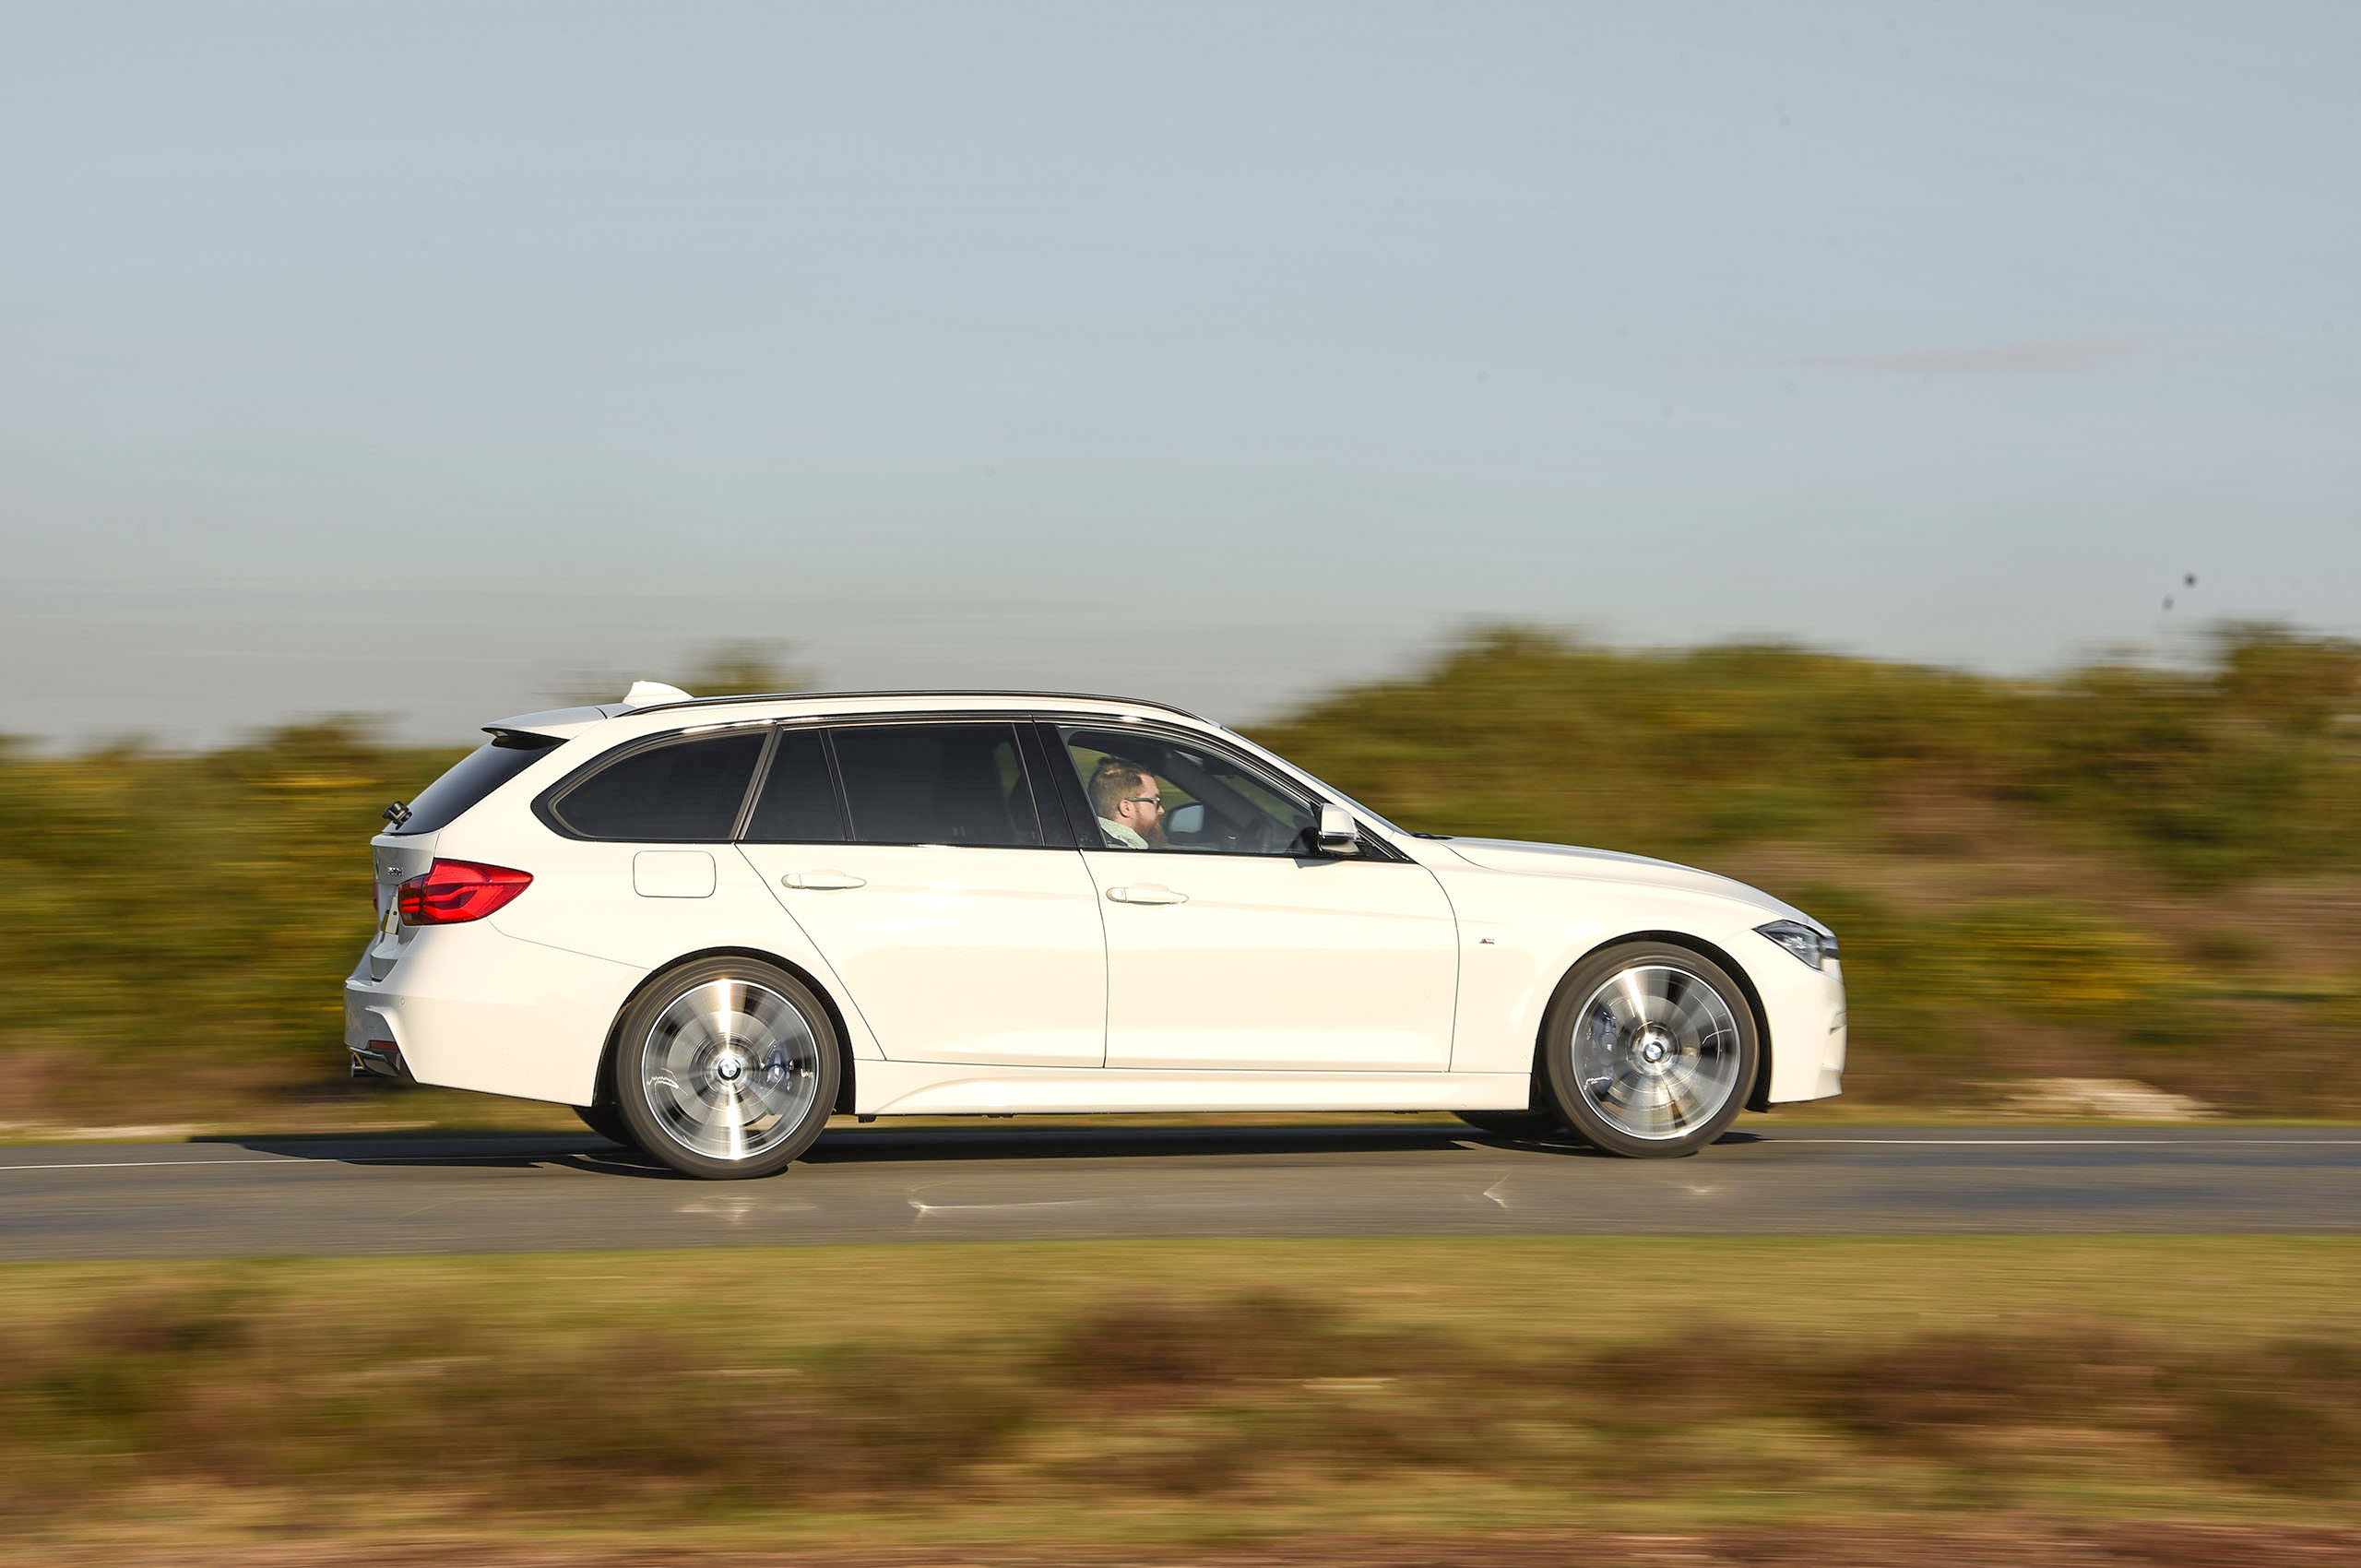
(1261, 835)
(1251, 832)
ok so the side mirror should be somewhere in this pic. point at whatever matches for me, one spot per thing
(1189, 819)
(1336, 834)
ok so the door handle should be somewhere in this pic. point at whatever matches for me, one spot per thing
(822, 879)
(1146, 893)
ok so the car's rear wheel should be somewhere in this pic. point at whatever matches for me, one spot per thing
(1649, 1049)
(727, 1068)
(1515, 1123)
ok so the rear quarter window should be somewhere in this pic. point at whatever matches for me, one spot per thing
(471, 778)
(678, 791)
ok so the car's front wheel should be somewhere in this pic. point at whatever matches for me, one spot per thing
(727, 1068)
(1649, 1049)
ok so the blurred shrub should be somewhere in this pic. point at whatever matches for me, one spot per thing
(2250, 765)
(176, 929)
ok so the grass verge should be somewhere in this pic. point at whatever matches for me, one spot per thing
(1183, 1393)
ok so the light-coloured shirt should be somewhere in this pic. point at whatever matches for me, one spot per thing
(1117, 833)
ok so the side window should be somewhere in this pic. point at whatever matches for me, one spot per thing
(797, 804)
(685, 791)
(1151, 790)
(936, 784)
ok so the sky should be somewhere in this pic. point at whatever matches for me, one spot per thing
(424, 362)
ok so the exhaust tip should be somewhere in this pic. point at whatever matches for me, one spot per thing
(380, 1059)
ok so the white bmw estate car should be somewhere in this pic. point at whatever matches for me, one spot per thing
(709, 924)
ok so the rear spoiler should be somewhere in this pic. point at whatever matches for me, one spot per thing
(550, 727)
(563, 723)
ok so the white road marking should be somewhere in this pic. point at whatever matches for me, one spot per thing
(2086, 1143)
(286, 1162)
(130, 1164)
(924, 1208)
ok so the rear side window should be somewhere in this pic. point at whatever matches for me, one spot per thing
(797, 804)
(469, 779)
(683, 790)
(936, 784)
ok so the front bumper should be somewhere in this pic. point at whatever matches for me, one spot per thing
(1805, 1009)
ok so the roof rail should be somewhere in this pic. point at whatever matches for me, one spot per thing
(921, 691)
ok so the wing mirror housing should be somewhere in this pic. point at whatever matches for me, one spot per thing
(1337, 834)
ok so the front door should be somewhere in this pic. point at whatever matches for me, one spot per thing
(962, 931)
(1229, 945)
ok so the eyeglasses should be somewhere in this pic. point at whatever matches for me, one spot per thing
(1156, 800)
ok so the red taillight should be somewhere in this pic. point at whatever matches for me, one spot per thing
(450, 892)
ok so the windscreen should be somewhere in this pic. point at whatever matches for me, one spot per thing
(470, 780)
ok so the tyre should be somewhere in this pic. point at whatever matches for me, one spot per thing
(727, 1068)
(606, 1121)
(1515, 1123)
(1649, 1049)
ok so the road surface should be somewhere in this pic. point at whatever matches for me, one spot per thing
(329, 1197)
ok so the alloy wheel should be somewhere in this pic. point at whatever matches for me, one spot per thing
(1656, 1052)
(730, 1070)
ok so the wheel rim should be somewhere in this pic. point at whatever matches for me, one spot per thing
(730, 1070)
(1656, 1052)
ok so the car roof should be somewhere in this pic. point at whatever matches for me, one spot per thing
(573, 721)
(901, 697)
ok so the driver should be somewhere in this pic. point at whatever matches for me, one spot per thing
(1129, 805)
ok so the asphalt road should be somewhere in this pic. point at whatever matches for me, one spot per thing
(328, 1196)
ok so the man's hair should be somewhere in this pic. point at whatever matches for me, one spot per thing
(1111, 781)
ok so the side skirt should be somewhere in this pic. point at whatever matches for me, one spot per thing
(912, 1088)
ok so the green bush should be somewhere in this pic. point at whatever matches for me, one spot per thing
(203, 910)
(2249, 767)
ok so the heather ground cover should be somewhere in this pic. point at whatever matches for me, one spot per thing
(1108, 1397)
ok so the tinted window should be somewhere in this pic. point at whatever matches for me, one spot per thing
(472, 777)
(689, 790)
(936, 784)
(799, 799)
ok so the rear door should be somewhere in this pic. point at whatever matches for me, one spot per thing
(957, 914)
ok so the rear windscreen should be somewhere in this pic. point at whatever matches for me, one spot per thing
(470, 780)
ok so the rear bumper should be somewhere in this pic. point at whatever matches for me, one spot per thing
(468, 1007)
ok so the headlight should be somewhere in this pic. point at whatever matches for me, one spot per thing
(1807, 944)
